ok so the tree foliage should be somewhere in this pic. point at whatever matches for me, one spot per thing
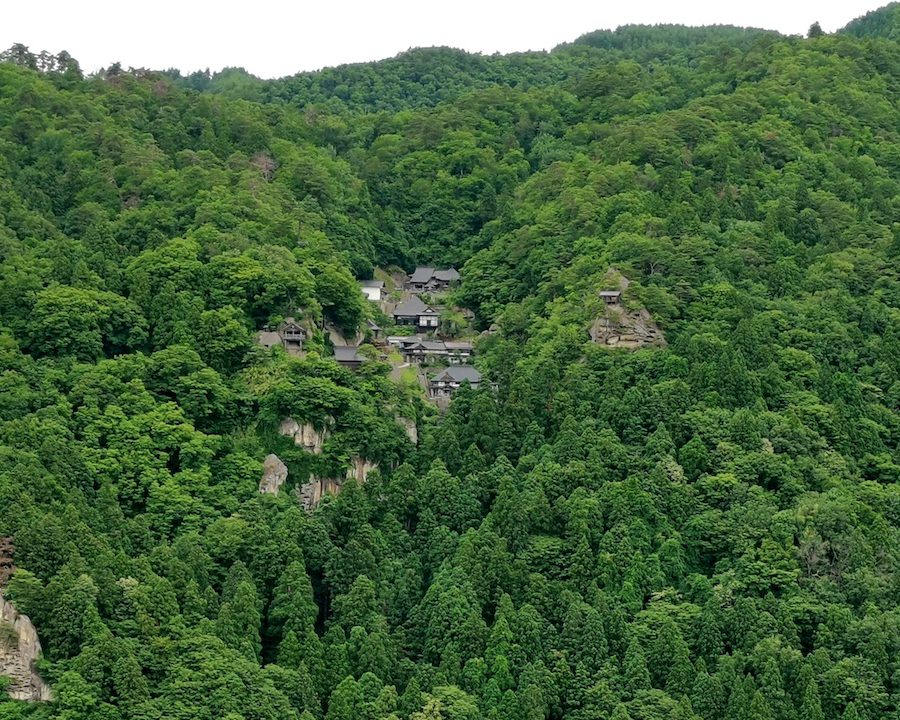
(703, 530)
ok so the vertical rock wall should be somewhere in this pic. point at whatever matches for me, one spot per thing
(305, 436)
(19, 649)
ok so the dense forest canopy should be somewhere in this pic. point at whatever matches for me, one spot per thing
(707, 528)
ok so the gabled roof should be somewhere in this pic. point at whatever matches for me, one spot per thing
(459, 373)
(291, 324)
(432, 345)
(413, 306)
(373, 325)
(372, 283)
(458, 345)
(421, 275)
(610, 293)
(448, 275)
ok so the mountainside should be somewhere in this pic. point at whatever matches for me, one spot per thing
(676, 495)
(884, 23)
(425, 77)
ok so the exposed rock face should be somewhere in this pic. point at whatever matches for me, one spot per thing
(339, 338)
(306, 436)
(619, 327)
(360, 468)
(310, 494)
(412, 432)
(275, 473)
(19, 649)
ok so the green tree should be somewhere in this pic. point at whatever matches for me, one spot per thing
(239, 619)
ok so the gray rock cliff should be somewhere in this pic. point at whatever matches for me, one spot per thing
(19, 650)
(305, 436)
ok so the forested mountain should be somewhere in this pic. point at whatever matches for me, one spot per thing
(884, 22)
(707, 528)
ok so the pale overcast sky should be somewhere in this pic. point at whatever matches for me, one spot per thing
(271, 38)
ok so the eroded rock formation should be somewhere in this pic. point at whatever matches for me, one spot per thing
(310, 494)
(305, 436)
(275, 473)
(620, 327)
(360, 468)
(19, 650)
(619, 323)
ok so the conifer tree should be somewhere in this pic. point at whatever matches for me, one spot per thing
(238, 622)
(811, 709)
(636, 675)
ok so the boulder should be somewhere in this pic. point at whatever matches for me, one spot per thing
(275, 473)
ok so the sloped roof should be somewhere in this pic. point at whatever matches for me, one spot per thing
(459, 373)
(372, 283)
(448, 275)
(347, 353)
(434, 345)
(291, 324)
(458, 345)
(413, 306)
(421, 275)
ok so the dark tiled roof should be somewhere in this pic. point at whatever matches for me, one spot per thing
(292, 325)
(372, 283)
(448, 275)
(413, 306)
(459, 373)
(433, 345)
(422, 275)
(347, 353)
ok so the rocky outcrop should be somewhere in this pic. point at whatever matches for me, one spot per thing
(338, 337)
(310, 493)
(412, 432)
(305, 436)
(359, 469)
(620, 327)
(619, 324)
(275, 473)
(19, 650)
